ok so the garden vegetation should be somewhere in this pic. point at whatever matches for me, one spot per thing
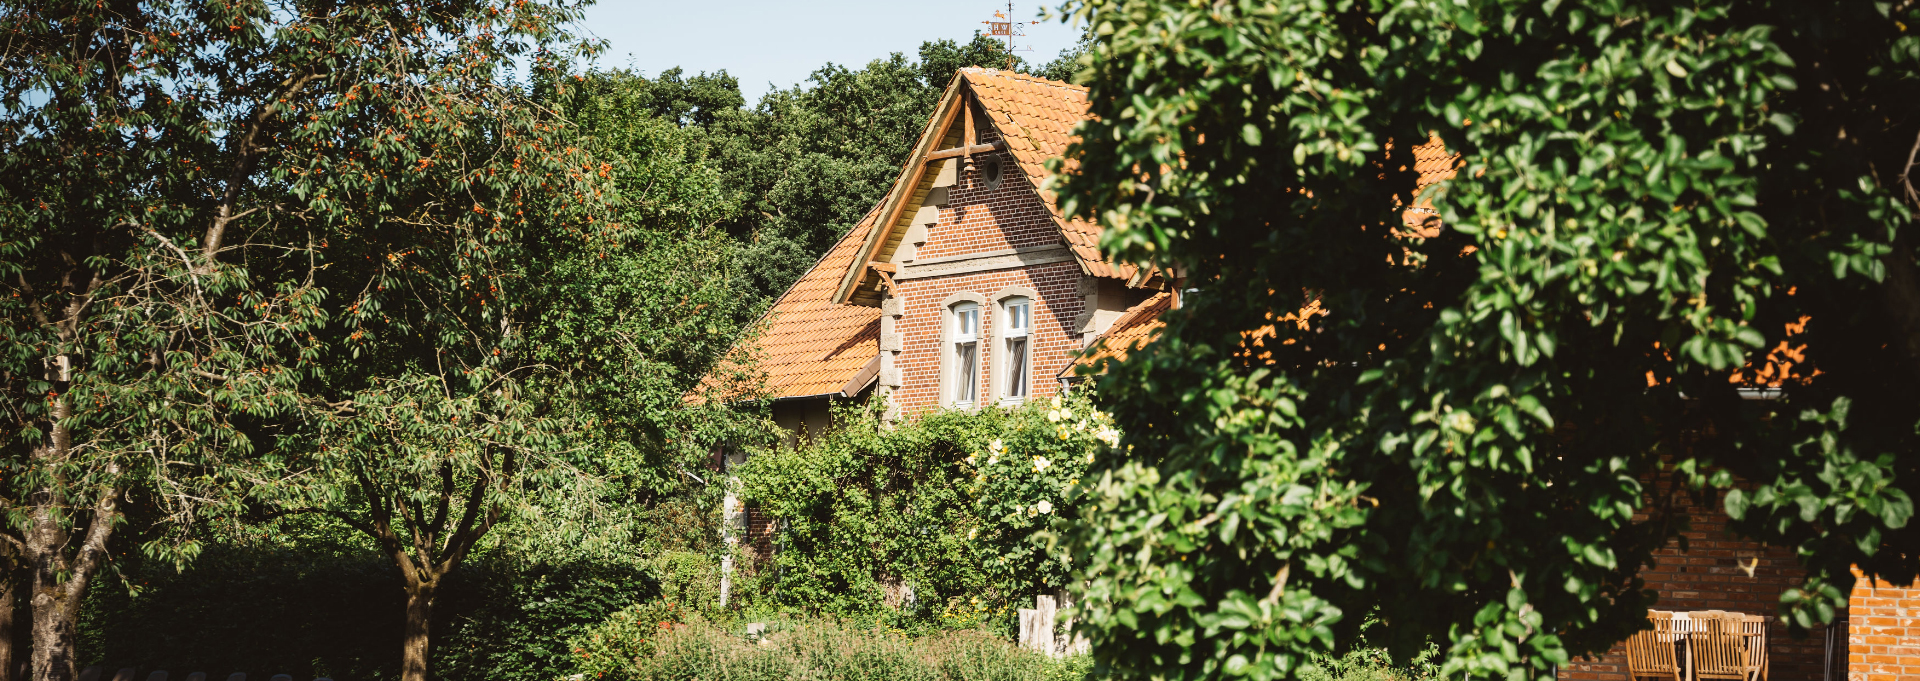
(384, 340)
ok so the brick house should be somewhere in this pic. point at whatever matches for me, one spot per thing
(966, 287)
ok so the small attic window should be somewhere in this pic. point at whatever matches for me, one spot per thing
(993, 172)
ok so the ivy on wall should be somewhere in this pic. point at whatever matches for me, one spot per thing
(943, 522)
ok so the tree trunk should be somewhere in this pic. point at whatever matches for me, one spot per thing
(54, 630)
(58, 578)
(9, 600)
(419, 626)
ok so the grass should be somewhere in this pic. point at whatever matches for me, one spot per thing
(817, 651)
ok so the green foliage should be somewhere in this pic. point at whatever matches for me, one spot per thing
(1648, 194)
(1071, 61)
(626, 638)
(1363, 662)
(1370, 664)
(151, 314)
(1027, 481)
(941, 59)
(320, 609)
(956, 507)
(649, 643)
(193, 194)
(805, 163)
(509, 620)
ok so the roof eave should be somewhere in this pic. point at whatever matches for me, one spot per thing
(902, 189)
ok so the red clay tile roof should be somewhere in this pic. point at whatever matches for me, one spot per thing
(1036, 117)
(1135, 328)
(1435, 165)
(1141, 323)
(810, 346)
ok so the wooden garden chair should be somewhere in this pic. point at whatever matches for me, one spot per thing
(1650, 653)
(1754, 629)
(1719, 645)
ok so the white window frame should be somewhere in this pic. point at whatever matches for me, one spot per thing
(998, 377)
(1014, 344)
(960, 377)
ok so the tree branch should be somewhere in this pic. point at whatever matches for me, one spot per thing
(247, 153)
(93, 551)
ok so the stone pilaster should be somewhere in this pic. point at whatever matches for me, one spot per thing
(892, 308)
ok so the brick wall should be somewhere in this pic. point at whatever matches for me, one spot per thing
(1052, 335)
(1883, 641)
(1710, 576)
(981, 220)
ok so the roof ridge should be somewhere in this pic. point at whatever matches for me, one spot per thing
(1016, 75)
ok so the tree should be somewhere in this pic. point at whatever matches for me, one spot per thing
(159, 301)
(1451, 425)
(537, 286)
(1069, 62)
(185, 182)
(807, 162)
(940, 59)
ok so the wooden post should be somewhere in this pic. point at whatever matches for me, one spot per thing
(1030, 629)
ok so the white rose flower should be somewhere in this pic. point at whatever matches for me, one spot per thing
(1056, 401)
(1053, 416)
(1040, 463)
(996, 446)
(1045, 506)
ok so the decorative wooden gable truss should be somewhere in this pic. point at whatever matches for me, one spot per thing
(984, 111)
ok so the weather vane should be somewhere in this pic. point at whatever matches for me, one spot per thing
(1006, 26)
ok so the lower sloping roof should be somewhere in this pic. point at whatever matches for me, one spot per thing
(809, 346)
(1136, 327)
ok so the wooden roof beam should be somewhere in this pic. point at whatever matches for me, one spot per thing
(944, 154)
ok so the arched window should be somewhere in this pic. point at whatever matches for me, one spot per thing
(964, 336)
(1016, 319)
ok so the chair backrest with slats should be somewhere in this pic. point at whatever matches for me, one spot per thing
(1754, 628)
(1719, 646)
(1650, 653)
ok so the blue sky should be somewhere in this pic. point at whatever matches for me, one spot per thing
(781, 41)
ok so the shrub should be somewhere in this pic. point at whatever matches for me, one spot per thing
(956, 508)
(653, 646)
(332, 611)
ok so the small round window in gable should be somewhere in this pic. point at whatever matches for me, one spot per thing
(993, 172)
